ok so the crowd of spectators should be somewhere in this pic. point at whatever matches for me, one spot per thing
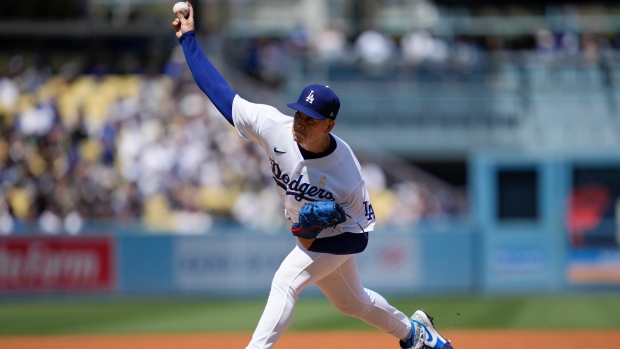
(417, 54)
(149, 149)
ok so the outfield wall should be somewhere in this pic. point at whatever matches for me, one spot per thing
(539, 223)
(547, 221)
(230, 263)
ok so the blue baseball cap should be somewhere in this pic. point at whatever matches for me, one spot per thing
(318, 102)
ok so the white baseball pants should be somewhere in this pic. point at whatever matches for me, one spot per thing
(338, 278)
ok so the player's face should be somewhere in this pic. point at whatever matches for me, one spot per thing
(311, 133)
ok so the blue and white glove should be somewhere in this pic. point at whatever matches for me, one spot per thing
(316, 216)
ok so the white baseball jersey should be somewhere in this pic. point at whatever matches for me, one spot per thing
(335, 177)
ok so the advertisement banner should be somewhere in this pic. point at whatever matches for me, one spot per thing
(391, 263)
(238, 265)
(228, 265)
(40, 263)
(593, 266)
(593, 225)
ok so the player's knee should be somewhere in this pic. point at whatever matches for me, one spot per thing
(353, 307)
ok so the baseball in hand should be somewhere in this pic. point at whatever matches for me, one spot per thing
(181, 6)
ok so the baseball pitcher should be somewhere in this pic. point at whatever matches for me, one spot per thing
(319, 182)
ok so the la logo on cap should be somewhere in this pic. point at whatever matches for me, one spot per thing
(318, 102)
(310, 97)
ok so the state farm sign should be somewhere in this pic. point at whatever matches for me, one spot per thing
(56, 263)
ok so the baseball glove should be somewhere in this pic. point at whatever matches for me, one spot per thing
(316, 216)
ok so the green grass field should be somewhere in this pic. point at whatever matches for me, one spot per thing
(200, 315)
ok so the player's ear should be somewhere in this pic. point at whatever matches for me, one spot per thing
(330, 126)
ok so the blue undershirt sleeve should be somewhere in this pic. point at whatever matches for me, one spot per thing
(210, 81)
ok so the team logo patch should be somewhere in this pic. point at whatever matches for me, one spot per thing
(310, 97)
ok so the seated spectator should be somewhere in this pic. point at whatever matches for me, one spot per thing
(375, 50)
(330, 45)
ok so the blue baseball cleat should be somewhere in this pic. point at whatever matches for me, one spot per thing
(424, 335)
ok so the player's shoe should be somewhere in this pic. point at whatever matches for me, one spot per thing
(423, 334)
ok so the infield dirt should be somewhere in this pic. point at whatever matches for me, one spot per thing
(466, 339)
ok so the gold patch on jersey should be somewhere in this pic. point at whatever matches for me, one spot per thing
(322, 181)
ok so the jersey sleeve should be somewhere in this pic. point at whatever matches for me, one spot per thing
(253, 120)
(357, 205)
